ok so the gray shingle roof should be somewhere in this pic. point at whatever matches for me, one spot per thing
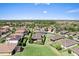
(55, 37)
(68, 42)
(37, 36)
(75, 50)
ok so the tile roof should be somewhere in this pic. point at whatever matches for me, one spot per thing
(7, 47)
(68, 42)
(63, 32)
(13, 37)
(37, 36)
(55, 37)
(75, 50)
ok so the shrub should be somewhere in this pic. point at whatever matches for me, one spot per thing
(13, 30)
(70, 37)
(69, 51)
(43, 39)
(30, 38)
(57, 46)
(2, 40)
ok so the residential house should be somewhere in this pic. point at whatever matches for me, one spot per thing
(7, 49)
(63, 32)
(75, 51)
(68, 43)
(13, 39)
(56, 37)
(4, 29)
(21, 30)
(71, 34)
(40, 30)
(50, 29)
(37, 36)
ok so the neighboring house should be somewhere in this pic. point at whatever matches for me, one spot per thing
(7, 49)
(37, 36)
(21, 30)
(19, 34)
(4, 29)
(55, 37)
(40, 30)
(50, 30)
(13, 39)
(71, 34)
(63, 32)
(75, 51)
(68, 43)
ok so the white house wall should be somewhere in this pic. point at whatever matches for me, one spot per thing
(13, 41)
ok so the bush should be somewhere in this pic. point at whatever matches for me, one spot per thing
(69, 51)
(30, 38)
(24, 41)
(2, 40)
(13, 30)
(20, 43)
(70, 37)
(57, 46)
(43, 39)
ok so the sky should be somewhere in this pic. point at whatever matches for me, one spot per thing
(48, 11)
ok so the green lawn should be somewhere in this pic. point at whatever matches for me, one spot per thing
(38, 50)
(42, 50)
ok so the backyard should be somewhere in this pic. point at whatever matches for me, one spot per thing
(42, 50)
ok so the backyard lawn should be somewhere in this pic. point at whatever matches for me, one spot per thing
(42, 50)
(38, 50)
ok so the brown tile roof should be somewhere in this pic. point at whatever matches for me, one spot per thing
(4, 29)
(7, 47)
(21, 31)
(20, 34)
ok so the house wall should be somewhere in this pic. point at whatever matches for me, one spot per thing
(13, 41)
(74, 54)
(5, 53)
(68, 47)
(76, 39)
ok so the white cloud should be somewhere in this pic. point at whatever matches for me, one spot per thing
(36, 3)
(42, 3)
(44, 12)
(47, 3)
(73, 11)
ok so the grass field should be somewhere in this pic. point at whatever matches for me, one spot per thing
(42, 50)
(38, 50)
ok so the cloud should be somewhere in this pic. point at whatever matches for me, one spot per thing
(44, 12)
(42, 3)
(73, 11)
